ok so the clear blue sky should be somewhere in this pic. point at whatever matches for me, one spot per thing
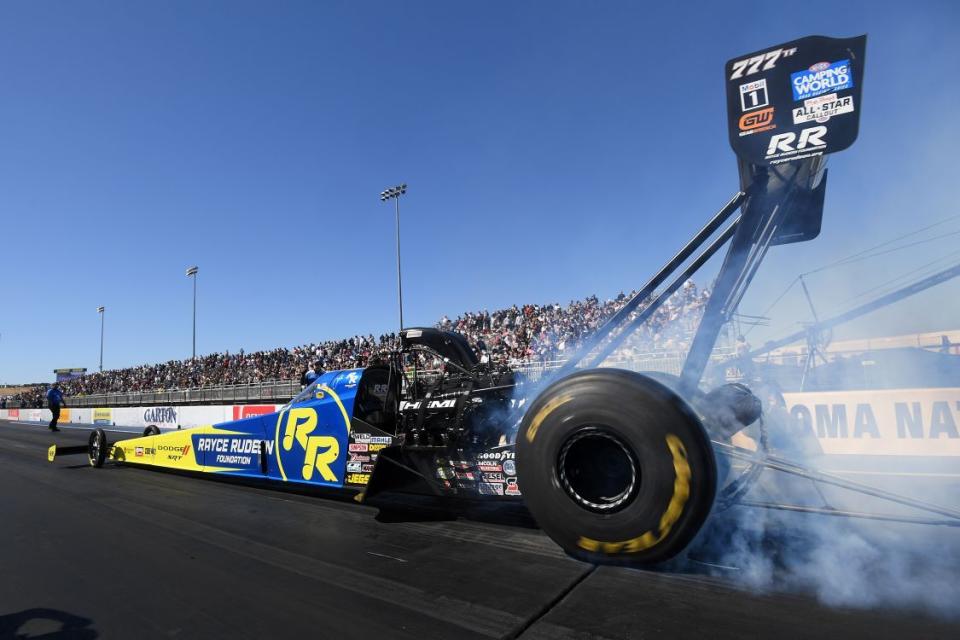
(553, 150)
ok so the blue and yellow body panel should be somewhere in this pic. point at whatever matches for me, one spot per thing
(307, 441)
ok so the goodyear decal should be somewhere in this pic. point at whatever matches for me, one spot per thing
(681, 492)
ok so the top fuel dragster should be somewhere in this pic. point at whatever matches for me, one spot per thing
(615, 466)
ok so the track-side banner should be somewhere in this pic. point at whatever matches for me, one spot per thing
(163, 417)
(796, 100)
(904, 422)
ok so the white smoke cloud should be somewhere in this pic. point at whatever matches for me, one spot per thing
(842, 561)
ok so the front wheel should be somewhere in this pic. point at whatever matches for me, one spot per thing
(615, 467)
(97, 448)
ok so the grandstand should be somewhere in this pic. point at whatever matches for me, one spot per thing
(529, 337)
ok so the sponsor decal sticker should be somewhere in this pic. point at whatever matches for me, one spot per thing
(433, 404)
(760, 62)
(250, 410)
(821, 78)
(311, 450)
(753, 95)
(822, 108)
(358, 447)
(162, 415)
(493, 468)
(349, 380)
(174, 452)
(510, 467)
(497, 455)
(488, 489)
(445, 473)
(232, 450)
(784, 147)
(512, 489)
(756, 122)
(369, 439)
(358, 478)
(354, 467)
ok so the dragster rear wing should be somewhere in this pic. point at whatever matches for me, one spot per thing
(788, 107)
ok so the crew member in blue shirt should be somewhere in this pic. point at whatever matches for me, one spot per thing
(55, 400)
(311, 374)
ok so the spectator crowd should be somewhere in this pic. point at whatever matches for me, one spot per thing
(515, 336)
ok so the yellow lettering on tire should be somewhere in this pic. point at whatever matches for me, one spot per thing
(543, 413)
(681, 493)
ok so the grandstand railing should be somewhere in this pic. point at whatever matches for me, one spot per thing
(269, 391)
(280, 391)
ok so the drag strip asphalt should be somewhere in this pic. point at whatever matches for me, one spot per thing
(123, 552)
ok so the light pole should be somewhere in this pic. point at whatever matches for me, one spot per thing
(394, 193)
(192, 272)
(100, 310)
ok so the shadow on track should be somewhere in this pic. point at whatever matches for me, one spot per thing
(46, 624)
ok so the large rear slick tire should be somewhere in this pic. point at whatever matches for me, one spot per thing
(615, 467)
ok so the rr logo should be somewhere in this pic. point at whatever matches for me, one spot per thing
(811, 137)
(320, 451)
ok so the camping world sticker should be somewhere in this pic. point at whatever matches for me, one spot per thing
(821, 78)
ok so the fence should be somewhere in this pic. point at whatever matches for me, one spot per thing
(270, 391)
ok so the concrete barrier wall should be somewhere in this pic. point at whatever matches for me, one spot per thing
(166, 417)
(903, 422)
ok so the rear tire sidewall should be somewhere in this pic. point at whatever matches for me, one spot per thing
(641, 413)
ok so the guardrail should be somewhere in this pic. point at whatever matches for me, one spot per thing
(270, 391)
(280, 391)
